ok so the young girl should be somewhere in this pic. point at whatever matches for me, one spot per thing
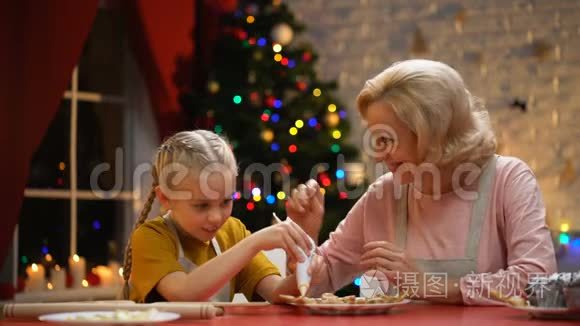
(196, 251)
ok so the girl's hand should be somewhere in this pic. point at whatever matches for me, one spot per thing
(286, 235)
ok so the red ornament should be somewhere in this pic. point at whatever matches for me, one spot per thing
(343, 195)
(270, 101)
(241, 34)
(306, 56)
(254, 97)
(252, 41)
(301, 86)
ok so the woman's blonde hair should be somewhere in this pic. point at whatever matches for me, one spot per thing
(194, 150)
(452, 126)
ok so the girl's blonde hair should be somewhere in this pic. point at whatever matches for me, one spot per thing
(194, 150)
(452, 126)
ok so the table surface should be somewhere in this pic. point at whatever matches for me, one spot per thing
(411, 314)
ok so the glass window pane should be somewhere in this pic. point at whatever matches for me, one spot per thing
(100, 230)
(101, 62)
(100, 133)
(49, 167)
(44, 228)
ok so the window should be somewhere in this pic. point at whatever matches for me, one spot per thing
(62, 214)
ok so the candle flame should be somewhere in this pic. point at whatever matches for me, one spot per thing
(57, 268)
(76, 258)
(85, 283)
(121, 271)
(48, 258)
(34, 268)
(49, 286)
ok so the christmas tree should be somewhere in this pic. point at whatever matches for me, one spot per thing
(263, 94)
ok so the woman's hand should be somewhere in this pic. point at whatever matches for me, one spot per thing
(306, 207)
(315, 269)
(392, 262)
(286, 235)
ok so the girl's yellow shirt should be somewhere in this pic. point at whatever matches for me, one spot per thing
(155, 254)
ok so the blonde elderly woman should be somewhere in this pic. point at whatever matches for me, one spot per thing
(453, 222)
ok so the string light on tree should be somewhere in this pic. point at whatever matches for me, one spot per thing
(292, 148)
(336, 134)
(312, 122)
(268, 135)
(277, 48)
(250, 206)
(293, 131)
(332, 108)
(256, 191)
(281, 195)
(299, 124)
(282, 33)
(316, 92)
(332, 119)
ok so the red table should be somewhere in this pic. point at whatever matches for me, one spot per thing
(412, 314)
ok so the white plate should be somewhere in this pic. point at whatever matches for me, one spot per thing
(550, 313)
(350, 308)
(108, 318)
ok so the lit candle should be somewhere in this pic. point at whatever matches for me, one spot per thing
(105, 275)
(58, 278)
(35, 281)
(117, 273)
(78, 270)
